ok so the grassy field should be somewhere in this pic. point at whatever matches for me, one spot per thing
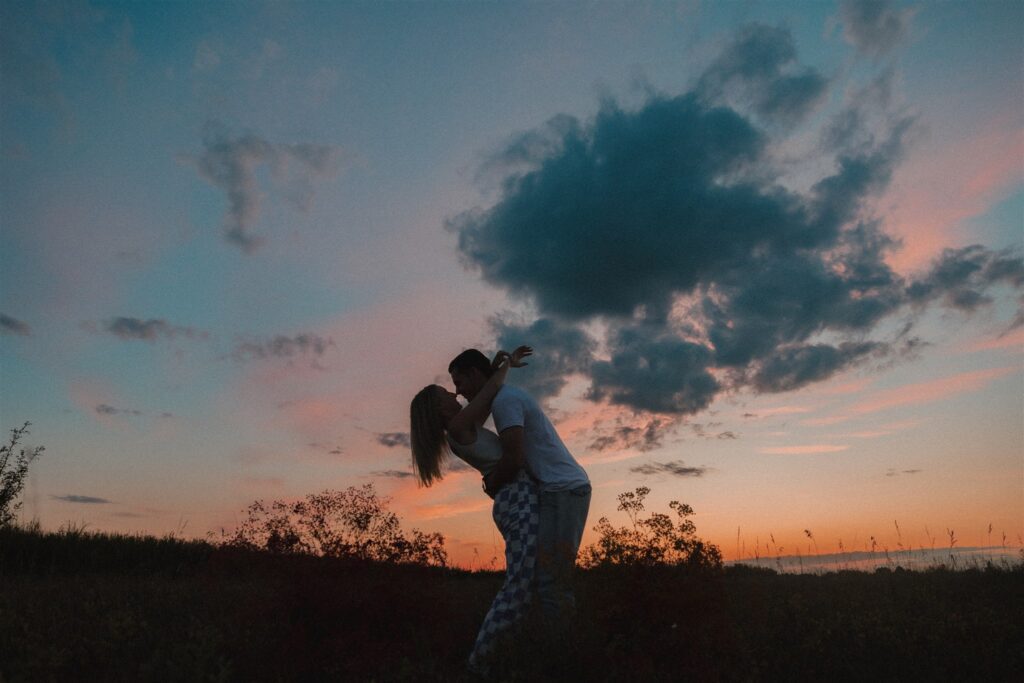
(80, 606)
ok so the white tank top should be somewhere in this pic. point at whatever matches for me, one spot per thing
(483, 454)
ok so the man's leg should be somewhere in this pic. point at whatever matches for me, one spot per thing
(563, 518)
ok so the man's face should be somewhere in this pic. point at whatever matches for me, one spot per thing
(469, 383)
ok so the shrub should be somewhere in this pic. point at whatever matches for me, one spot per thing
(354, 523)
(13, 473)
(656, 540)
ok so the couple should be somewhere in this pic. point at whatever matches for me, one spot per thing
(541, 494)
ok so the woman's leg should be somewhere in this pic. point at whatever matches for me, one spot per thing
(516, 513)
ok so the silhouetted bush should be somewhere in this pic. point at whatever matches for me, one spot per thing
(354, 523)
(656, 540)
(13, 473)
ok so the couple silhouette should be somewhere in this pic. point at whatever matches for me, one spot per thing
(541, 494)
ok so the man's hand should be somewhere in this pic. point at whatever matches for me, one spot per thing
(512, 460)
(490, 485)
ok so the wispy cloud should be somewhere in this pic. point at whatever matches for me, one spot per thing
(393, 474)
(778, 410)
(394, 439)
(453, 509)
(75, 498)
(1010, 340)
(803, 450)
(129, 328)
(230, 163)
(824, 421)
(676, 468)
(643, 437)
(874, 27)
(759, 69)
(9, 325)
(928, 392)
(282, 346)
(104, 409)
(895, 473)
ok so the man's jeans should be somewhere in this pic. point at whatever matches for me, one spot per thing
(563, 517)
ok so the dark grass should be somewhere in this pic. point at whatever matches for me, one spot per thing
(114, 608)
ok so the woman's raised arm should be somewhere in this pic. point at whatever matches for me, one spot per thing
(476, 411)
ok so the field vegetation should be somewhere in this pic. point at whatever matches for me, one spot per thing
(655, 604)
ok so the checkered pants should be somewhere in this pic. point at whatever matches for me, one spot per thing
(517, 514)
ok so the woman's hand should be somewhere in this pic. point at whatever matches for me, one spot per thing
(517, 356)
(514, 359)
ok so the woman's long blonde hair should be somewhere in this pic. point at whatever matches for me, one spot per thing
(429, 446)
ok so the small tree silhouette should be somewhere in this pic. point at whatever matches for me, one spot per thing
(13, 473)
(657, 540)
(354, 523)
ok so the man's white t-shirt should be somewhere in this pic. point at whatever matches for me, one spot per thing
(547, 458)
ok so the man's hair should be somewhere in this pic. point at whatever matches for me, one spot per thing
(469, 359)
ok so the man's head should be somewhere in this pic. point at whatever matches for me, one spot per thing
(470, 371)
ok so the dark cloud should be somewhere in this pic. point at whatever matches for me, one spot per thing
(701, 430)
(961, 277)
(564, 350)
(854, 126)
(792, 367)
(661, 374)
(9, 325)
(148, 330)
(645, 211)
(642, 437)
(395, 474)
(73, 498)
(894, 473)
(394, 439)
(666, 225)
(676, 468)
(230, 164)
(874, 27)
(281, 346)
(104, 409)
(759, 69)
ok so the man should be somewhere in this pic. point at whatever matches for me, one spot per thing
(528, 439)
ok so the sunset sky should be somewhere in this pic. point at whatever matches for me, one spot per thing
(768, 255)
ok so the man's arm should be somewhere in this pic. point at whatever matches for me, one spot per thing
(512, 459)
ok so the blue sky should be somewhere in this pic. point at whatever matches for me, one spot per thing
(270, 198)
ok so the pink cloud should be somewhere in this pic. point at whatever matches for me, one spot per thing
(825, 421)
(948, 182)
(803, 450)
(1012, 340)
(851, 387)
(452, 509)
(782, 410)
(931, 391)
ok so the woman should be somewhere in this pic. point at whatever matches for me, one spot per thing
(441, 425)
